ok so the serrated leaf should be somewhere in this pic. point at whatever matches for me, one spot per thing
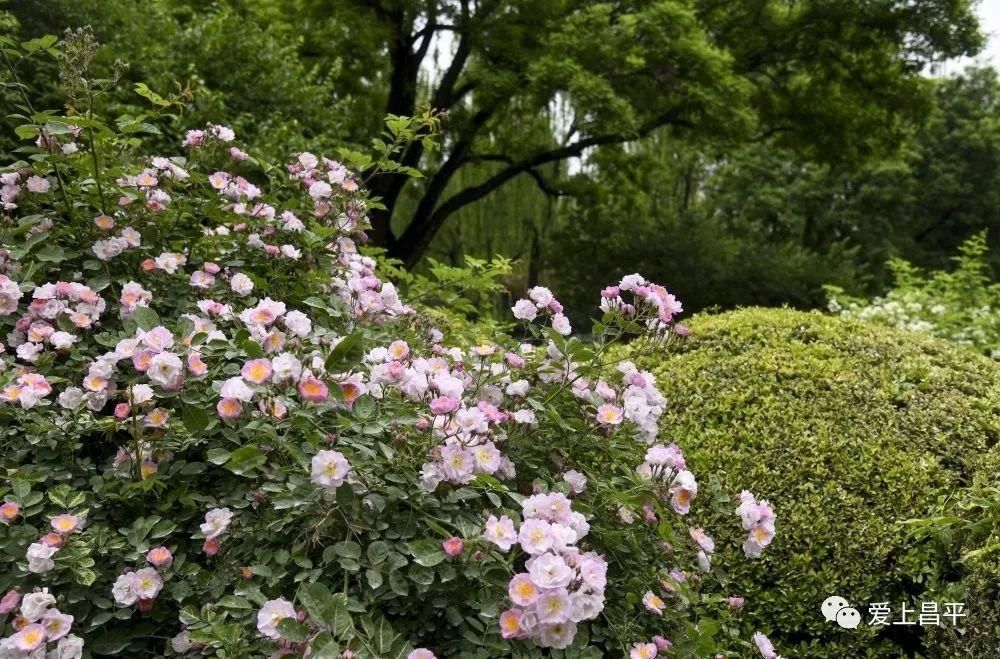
(426, 552)
(145, 318)
(347, 352)
(292, 630)
(244, 460)
(195, 419)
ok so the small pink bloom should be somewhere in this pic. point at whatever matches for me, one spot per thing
(160, 557)
(30, 638)
(229, 408)
(654, 603)
(643, 651)
(609, 414)
(196, 365)
(51, 540)
(421, 653)
(453, 546)
(510, 623)
(122, 411)
(9, 601)
(313, 390)
(65, 523)
(257, 371)
(514, 360)
(211, 546)
(9, 511)
(444, 405)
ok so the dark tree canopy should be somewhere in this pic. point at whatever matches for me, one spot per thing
(527, 85)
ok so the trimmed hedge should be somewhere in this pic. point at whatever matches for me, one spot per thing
(848, 428)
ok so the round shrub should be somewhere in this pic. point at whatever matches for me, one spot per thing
(848, 428)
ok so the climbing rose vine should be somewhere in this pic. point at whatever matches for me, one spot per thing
(224, 433)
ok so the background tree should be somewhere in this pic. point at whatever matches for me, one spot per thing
(789, 145)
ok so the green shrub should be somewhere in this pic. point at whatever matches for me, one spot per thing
(964, 530)
(961, 305)
(847, 427)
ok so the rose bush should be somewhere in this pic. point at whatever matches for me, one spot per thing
(224, 434)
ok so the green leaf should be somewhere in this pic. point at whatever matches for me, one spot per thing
(253, 349)
(218, 456)
(233, 602)
(143, 90)
(426, 552)
(347, 549)
(245, 460)
(324, 647)
(145, 318)
(346, 353)
(50, 254)
(292, 630)
(326, 608)
(41, 43)
(195, 419)
(377, 552)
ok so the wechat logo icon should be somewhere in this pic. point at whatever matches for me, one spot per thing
(836, 609)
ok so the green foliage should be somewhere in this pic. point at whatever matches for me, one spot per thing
(661, 210)
(849, 429)
(961, 305)
(466, 300)
(237, 60)
(964, 532)
(529, 84)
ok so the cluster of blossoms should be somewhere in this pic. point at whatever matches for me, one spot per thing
(636, 298)
(364, 293)
(265, 365)
(41, 630)
(665, 466)
(40, 553)
(561, 585)
(637, 400)
(758, 518)
(108, 248)
(40, 325)
(198, 138)
(13, 183)
(28, 390)
(658, 647)
(146, 186)
(541, 302)
(324, 179)
(141, 586)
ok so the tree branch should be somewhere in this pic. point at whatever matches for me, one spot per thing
(429, 217)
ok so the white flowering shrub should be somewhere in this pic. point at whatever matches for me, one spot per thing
(961, 305)
(223, 433)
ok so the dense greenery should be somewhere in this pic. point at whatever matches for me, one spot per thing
(762, 225)
(527, 85)
(850, 428)
(961, 305)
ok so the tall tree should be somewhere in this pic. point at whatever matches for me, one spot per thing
(831, 79)
(834, 77)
